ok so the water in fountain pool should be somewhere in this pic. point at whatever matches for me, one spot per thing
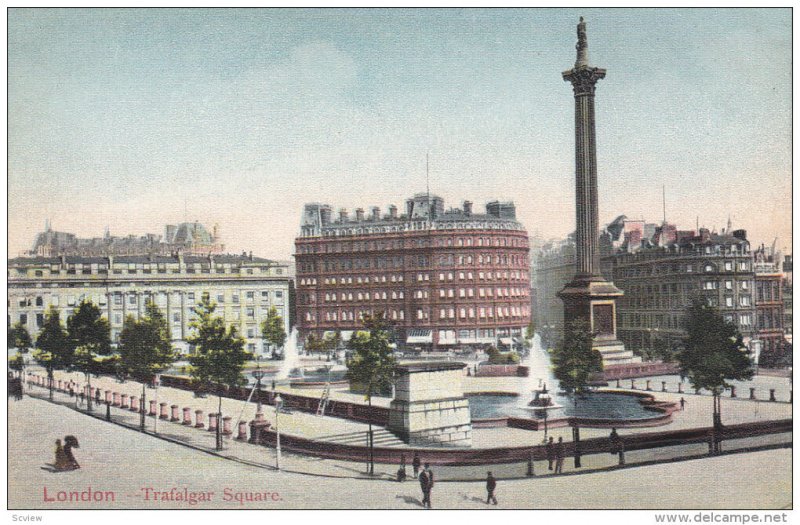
(603, 405)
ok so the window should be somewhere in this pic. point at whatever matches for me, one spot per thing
(132, 300)
(23, 319)
(745, 320)
(462, 313)
(236, 298)
(39, 320)
(39, 301)
(728, 266)
(54, 300)
(176, 317)
(743, 266)
(744, 285)
(190, 297)
(251, 313)
(710, 285)
(709, 268)
(251, 296)
(279, 294)
(117, 299)
(461, 292)
(729, 285)
(265, 296)
(220, 298)
(744, 300)
(729, 302)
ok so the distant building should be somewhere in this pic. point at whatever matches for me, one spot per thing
(660, 269)
(190, 238)
(446, 279)
(244, 288)
(769, 304)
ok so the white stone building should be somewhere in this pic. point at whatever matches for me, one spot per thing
(244, 288)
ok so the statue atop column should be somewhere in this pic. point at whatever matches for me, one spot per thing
(582, 46)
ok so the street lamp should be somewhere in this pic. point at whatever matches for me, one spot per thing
(278, 406)
(258, 374)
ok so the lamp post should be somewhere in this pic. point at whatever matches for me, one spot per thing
(258, 374)
(278, 406)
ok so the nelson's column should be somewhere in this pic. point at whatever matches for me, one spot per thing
(589, 296)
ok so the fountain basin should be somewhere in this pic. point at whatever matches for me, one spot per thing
(602, 409)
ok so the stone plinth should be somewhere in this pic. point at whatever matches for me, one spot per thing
(429, 407)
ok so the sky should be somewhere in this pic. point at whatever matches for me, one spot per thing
(133, 119)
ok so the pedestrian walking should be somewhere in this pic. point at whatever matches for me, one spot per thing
(616, 445)
(415, 464)
(491, 485)
(401, 472)
(551, 453)
(559, 449)
(683, 403)
(426, 484)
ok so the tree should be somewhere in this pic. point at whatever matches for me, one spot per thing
(713, 354)
(574, 359)
(272, 328)
(54, 351)
(219, 355)
(89, 336)
(19, 338)
(313, 343)
(332, 342)
(530, 330)
(372, 364)
(145, 349)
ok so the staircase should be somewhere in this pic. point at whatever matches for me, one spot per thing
(381, 438)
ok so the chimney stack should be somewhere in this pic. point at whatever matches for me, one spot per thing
(359, 214)
(392, 211)
(467, 207)
(376, 213)
(343, 215)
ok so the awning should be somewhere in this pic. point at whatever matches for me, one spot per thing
(418, 336)
(485, 340)
(505, 341)
(346, 335)
(328, 333)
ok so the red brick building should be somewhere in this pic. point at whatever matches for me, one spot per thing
(769, 304)
(445, 279)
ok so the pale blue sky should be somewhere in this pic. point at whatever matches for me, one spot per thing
(137, 118)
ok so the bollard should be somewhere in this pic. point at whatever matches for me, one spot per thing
(198, 418)
(772, 394)
(663, 386)
(680, 388)
(124, 403)
(108, 411)
(633, 384)
(60, 384)
(134, 404)
(618, 385)
(187, 416)
(752, 393)
(152, 411)
(163, 413)
(647, 385)
(226, 426)
(212, 422)
(242, 435)
(116, 401)
(174, 415)
(97, 396)
(733, 391)
(108, 397)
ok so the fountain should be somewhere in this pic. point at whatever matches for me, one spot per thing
(539, 395)
(290, 356)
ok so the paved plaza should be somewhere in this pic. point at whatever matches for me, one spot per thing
(126, 463)
(696, 414)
